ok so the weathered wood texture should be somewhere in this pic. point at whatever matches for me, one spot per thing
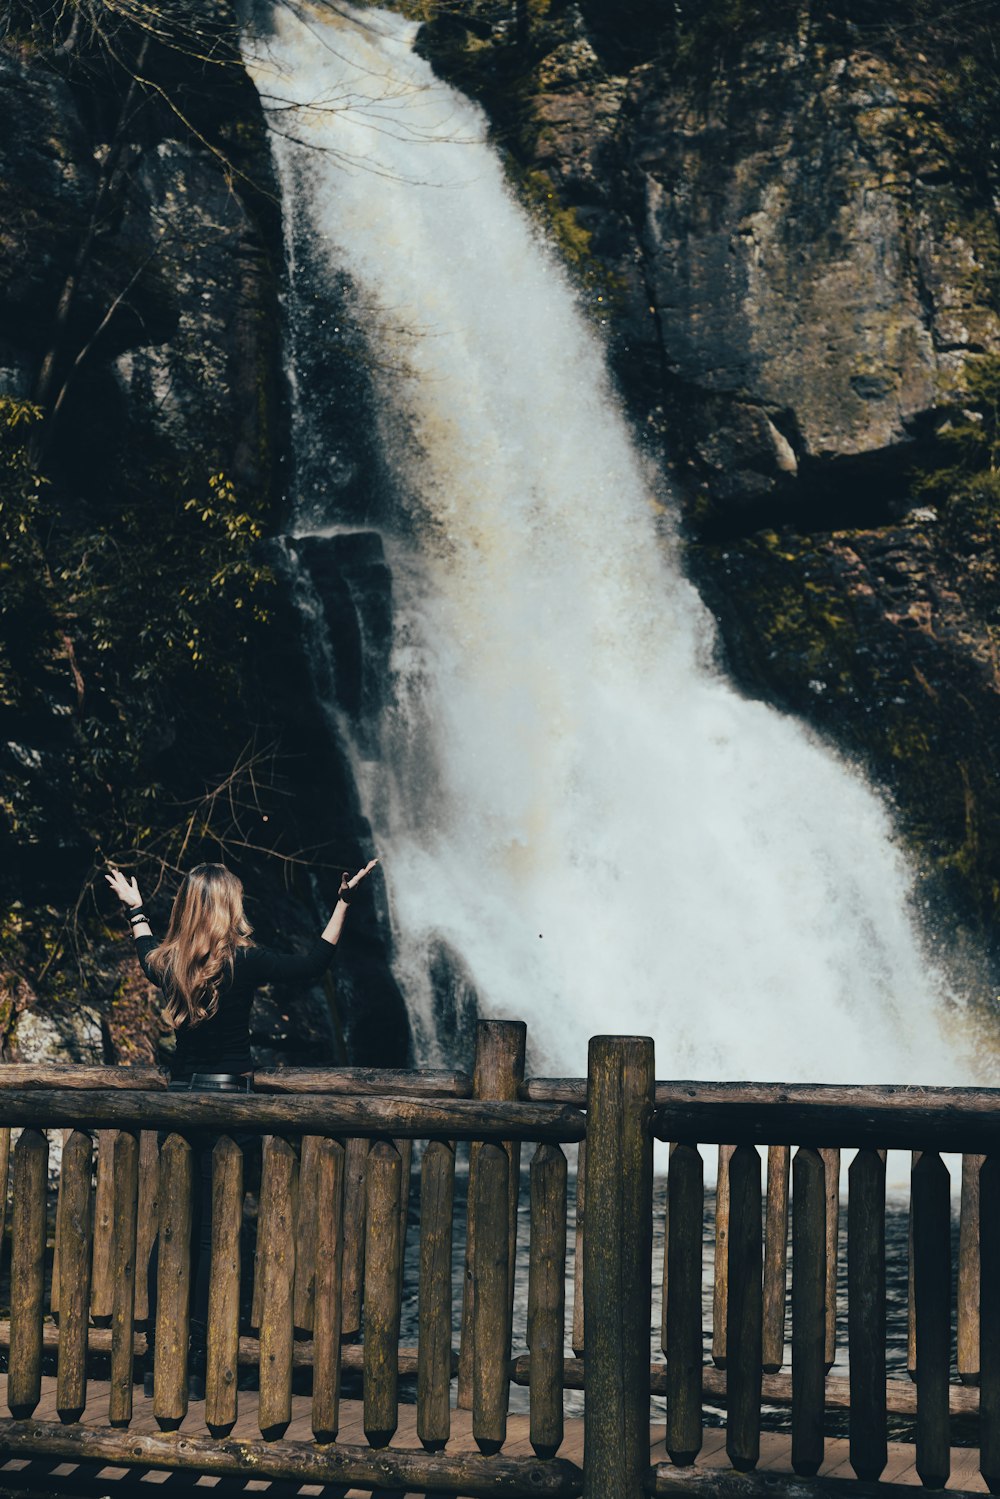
(382, 1295)
(294, 1114)
(580, 1230)
(743, 1323)
(329, 1200)
(222, 1361)
(831, 1163)
(989, 1322)
(173, 1283)
(147, 1224)
(952, 1119)
(437, 1198)
(968, 1271)
(617, 1283)
(489, 1224)
(25, 1075)
(498, 1074)
(866, 1313)
(101, 1284)
(932, 1299)
(356, 1167)
(428, 1082)
(54, 1277)
(306, 1238)
(547, 1298)
(4, 1167)
(392, 1469)
(720, 1297)
(775, 1258)
(276, 1235)
(683, 1254)
(27, 1273)
(74, 1289)
(809, 1284)
(124, 1209)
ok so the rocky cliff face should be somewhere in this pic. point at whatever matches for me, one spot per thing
(140, 341)
(784, 222)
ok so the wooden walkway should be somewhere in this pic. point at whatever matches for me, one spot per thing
(45, 1476)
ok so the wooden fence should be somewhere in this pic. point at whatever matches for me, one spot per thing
(328, 1272)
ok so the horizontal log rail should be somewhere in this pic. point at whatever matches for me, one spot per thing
(884, 1118)
(428, 1082)
(459, 1473)
(267, 1114)
(24, 1075)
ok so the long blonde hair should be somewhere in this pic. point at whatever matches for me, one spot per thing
(207, 925)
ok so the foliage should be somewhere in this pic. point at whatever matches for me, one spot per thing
(970, 439)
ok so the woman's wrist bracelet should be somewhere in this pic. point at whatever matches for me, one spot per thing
(345, 894)
(138, 917)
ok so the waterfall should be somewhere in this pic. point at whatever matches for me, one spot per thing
(568, 797)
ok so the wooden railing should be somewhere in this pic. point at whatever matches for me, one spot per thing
(328, 1274)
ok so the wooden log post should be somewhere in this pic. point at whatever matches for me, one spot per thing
(437, 1199)
(866, 1313)
(27, 1273)
(498, 1074)
(547, 1298)
(382, 1293)
(4, 1170)
(329, 1168)
(306, 1238)
(173, 1297)
(74, 1286)
(911, 1303)
(489, 1226)
(125, 1206)
(831, 1162)
(54, 1277)
(775, 1258)
(147, 1223)
(222, 1360)
(743, 1323)
(665, 1278)
(263, 1210)
(968, 1272)
(405, 1149)
(932, 1299)
(276, 1247)
(355, 1168)
(809, 1286)
(580, 1230)
(720, 1297)
(989, 1323)
(683, 1255)
(619, 1265)
(101, 1282)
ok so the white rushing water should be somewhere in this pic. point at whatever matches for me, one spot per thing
(565, 791)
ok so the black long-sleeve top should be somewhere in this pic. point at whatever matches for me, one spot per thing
(222, 1042)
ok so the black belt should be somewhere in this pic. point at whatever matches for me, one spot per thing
(220, 1082)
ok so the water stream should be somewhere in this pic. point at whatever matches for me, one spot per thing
(570, 800)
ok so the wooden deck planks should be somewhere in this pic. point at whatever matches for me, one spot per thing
(775, 1447)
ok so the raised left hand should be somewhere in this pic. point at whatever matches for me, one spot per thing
(127, 891)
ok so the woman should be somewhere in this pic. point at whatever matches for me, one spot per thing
(208, 969)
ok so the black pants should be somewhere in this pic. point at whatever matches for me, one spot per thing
(202, 1146)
